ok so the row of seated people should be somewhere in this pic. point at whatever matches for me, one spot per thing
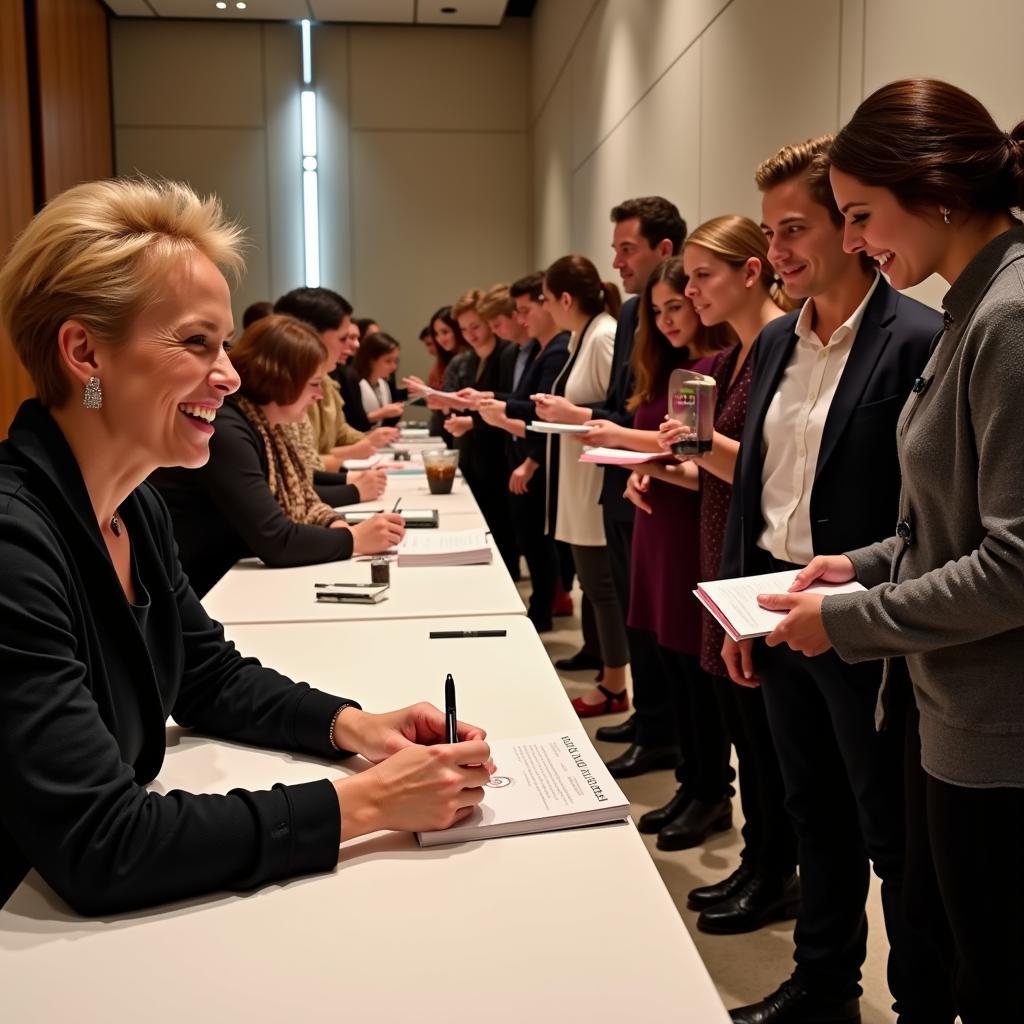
(833, 419)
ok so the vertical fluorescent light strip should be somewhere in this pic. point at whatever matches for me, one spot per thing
(307, 56)
(310, 196)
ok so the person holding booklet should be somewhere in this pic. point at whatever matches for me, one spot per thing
(580, 302)
(731, 282)
(115, 299)
(665, 566)
(928, 183)
(818, 474)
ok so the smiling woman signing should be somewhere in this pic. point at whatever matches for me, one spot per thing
(116, 303)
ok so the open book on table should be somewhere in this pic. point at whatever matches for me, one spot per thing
(542, 783)
(734, 602)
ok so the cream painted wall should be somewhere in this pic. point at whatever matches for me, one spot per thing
(639, 97)
(423, 140)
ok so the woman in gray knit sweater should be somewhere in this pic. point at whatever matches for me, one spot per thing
(928, 184)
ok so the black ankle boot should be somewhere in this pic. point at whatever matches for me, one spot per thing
(654, 821)
(709, 895)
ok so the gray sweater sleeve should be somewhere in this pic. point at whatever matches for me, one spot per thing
(976, 594)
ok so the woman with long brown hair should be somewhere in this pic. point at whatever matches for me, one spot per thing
(928, 183)
(731, 282)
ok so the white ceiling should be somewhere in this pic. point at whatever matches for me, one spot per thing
(405, 12)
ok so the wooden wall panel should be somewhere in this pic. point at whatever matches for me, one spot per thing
(74, 93)
(15, 182)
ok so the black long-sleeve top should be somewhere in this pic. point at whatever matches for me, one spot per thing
(538, 378)
(225, 511)
(88, 681)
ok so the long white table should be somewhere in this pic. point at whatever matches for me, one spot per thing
(504, 930)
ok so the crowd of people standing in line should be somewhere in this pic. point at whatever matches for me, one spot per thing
(858, 434)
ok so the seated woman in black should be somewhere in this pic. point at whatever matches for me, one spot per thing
(254, 496)
(116, 304)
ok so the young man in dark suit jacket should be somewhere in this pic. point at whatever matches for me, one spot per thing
(818, 474)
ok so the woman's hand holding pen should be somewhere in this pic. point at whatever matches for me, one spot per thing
(419, 782)
(377, 737)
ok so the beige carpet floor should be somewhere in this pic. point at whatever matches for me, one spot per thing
(744, 967)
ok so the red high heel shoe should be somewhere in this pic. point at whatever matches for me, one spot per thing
(613, 704)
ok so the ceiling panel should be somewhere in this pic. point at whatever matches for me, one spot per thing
(401, 11)
(405, 12)
(466, 12)
(260, 10)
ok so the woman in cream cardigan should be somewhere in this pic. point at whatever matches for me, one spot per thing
(581, 303)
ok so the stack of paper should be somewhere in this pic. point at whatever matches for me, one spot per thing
(445, 547)
(734, 602)
(542, 783)
(622, 456)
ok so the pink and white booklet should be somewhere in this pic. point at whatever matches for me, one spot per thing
(623, 456)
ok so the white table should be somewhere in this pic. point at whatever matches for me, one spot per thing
(251, 593)
(456, 511)
(503, 931)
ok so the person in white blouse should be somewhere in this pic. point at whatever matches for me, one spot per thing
(580, 302)
(375, 361)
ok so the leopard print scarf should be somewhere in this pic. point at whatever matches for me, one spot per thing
(287, 477)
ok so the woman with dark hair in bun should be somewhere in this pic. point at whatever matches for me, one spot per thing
(580, 302)
(929, 184)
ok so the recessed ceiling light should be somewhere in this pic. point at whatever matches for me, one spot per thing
(221, 6)
(240, 5)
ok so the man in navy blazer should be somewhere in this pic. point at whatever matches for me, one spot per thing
(818, 474)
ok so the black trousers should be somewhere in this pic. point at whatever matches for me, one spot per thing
(846, 802)
(769, 842)
(538, 548)
(488, 480)
(704, 770)
(652, 692)
(964, 892)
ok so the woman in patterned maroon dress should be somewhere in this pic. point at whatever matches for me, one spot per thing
(731, 281)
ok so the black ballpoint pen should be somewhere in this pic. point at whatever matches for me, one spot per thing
(398, 501)
(459, 634)
(451, 732)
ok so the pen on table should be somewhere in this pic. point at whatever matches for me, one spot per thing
(346, 584)
(450, 718)
(458, 634)
(398, 501)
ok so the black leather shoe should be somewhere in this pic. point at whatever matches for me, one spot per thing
(637, 760)
(699, 819)
(654, 821)
(624, 732)
(763, 899)
(791, 1003)
(579, 662)
(709, 895)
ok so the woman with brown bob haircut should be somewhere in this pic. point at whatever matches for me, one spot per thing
(116, 301)
(929, 184)
(254, 495)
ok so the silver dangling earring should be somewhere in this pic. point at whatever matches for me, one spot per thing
(93, 397)
(945, 214)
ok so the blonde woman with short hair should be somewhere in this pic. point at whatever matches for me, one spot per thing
(116, 301)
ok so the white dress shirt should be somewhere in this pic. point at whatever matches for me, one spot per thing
(791, 435)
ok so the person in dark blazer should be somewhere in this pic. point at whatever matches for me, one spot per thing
(115, 301)
(818, 474)
(526, 451)
(646, 231)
